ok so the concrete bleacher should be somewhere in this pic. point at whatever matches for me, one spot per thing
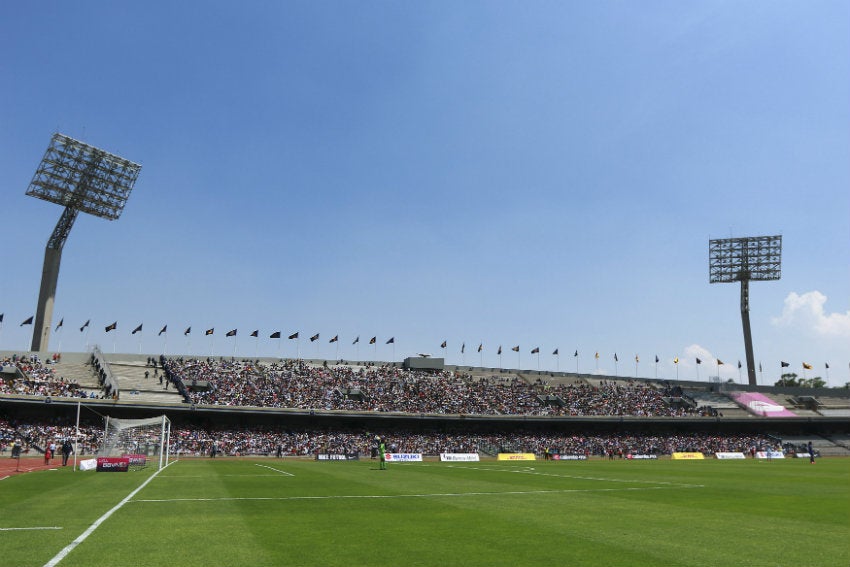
(833, 406)
(720, 402)
(825, 447)
(133, 385)
(78, 372)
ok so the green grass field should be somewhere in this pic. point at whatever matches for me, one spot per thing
(292, 512)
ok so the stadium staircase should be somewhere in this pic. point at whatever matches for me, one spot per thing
(80, 373)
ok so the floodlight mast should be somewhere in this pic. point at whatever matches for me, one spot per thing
(741, 260)
(82, 178)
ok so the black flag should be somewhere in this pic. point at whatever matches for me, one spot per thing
(111, 327)
(391, 341)
(256, 333)
(314, 337)
(86, 324)
(164, 329)
(26, 322)
(230, 333)
(294, 335)
(187, 331)
(59, 326)
(136, 330)
(275, 335)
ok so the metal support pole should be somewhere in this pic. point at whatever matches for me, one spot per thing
(748, 337)
(49, 278)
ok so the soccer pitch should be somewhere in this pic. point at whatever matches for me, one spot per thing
(211, 512)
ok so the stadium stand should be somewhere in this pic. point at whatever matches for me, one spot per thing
(297, 384)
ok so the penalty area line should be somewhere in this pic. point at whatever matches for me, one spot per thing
(274, 469)
(82, 537)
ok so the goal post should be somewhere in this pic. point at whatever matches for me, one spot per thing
(140, 440)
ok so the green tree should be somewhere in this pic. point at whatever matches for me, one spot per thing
(789, 380)
(816, 382)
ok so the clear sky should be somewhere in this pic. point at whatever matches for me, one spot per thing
(541, 174)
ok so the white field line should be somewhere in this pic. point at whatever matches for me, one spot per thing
(427, 495)
(262, 475)
(531, 471)
(27, 529)
(274, 469)
(82, 537)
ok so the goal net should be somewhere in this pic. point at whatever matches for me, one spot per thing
(142, 441)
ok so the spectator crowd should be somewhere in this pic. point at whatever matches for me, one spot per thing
(285, 441)
(35, 378)
(297, 384)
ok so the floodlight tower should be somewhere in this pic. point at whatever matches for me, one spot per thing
(81, 178)
(755, 258)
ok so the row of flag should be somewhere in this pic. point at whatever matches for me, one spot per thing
(209, 332)
(373, 340)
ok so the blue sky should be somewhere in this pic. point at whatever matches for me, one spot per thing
(535, 174)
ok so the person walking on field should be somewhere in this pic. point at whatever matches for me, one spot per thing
(67, 449)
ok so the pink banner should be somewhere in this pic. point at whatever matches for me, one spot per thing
(761, 405)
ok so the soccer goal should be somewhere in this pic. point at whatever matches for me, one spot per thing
(142, 441)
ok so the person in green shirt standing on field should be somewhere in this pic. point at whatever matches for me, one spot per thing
(382, 454)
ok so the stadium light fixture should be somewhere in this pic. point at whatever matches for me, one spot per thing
(83, 178)
(755, 258)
